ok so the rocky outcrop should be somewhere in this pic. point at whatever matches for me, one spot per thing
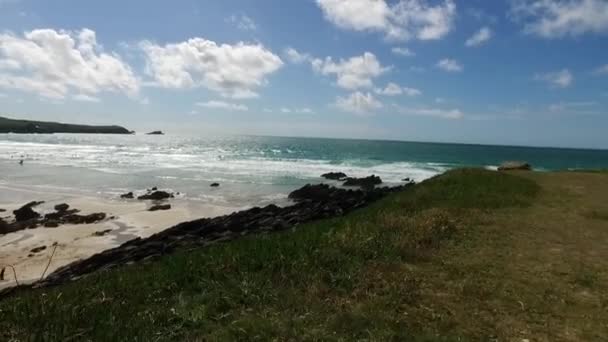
(27, 127)
(160, 207)
(26, 212)
(26, 217)
(515, 166)
(156, 195)
(314, 202)
(128, 195)
(334, 176)
(62, 207)
(155, 133)
(214, 185)
(365, 183)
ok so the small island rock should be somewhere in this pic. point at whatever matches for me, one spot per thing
(515, 165)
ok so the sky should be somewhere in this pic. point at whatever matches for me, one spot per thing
(515, 72)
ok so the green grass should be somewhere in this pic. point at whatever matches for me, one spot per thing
(362, 277)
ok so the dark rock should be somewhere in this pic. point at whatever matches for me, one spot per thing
(214, 185)
(38, 249)
(60, 214)
(515, 166)
(160, 207)
(310, 192)
(84, 219)
(153, 189)
(156, 196)
(26, 212)
(51, 224)
(2, 210)
(366, 182)
(128, 195)
(102, 233)
(335, 176)
(155, 133)
(62, 207)
(4, 227)
(406, 179)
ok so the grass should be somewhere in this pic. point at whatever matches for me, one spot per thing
(469, 255)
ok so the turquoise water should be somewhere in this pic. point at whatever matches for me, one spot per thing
(252, 170)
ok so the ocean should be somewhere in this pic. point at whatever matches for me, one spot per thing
(251, 170)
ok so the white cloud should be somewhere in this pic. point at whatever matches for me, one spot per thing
(452, 114)
(358, 103)
(483, 35)
(393, 89)
(223, 105)
(234, 71)
(3, 95)
(403, 51)
(449, 65)
(242, 22)
(560, 18)
(55, 64)
(295, 57)
(402, 20)
(86, 98)
(557, 79)
(439, 100)
(285, 110)
(580, 107)
(354, 73)
(603, 70)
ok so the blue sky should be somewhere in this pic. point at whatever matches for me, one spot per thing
(526, 72)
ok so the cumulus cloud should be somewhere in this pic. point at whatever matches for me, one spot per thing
(353, 73)
(452, 114)
(296, 57)
(450, 65)
(393, 89)
(55, 64)
(401, 20)
(242, 22)
(480, 37)
(358, 103)
(556, 79)
(560, 18)
(402, 51)
(223, 105)
(234, 71)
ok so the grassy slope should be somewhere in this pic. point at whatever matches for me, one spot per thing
(470, 255)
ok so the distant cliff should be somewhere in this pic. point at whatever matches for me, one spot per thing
(27, 126)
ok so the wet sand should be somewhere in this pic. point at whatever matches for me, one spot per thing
(128, 219)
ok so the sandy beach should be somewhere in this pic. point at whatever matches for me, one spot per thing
(127, 219)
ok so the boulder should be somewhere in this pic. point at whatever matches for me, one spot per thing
(102, 233)
(156, 196)
(366, 182)
(515, 166)
(51, 224)
(335, 176)
(128, 195)
(160, 207)
(214, 185)
(84, 219)
(38, 249)
(62, 207)
(26, 212)
(2, 210)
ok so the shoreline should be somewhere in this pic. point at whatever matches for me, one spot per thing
(126, 220)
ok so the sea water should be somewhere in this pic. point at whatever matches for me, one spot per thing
(251, 170)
